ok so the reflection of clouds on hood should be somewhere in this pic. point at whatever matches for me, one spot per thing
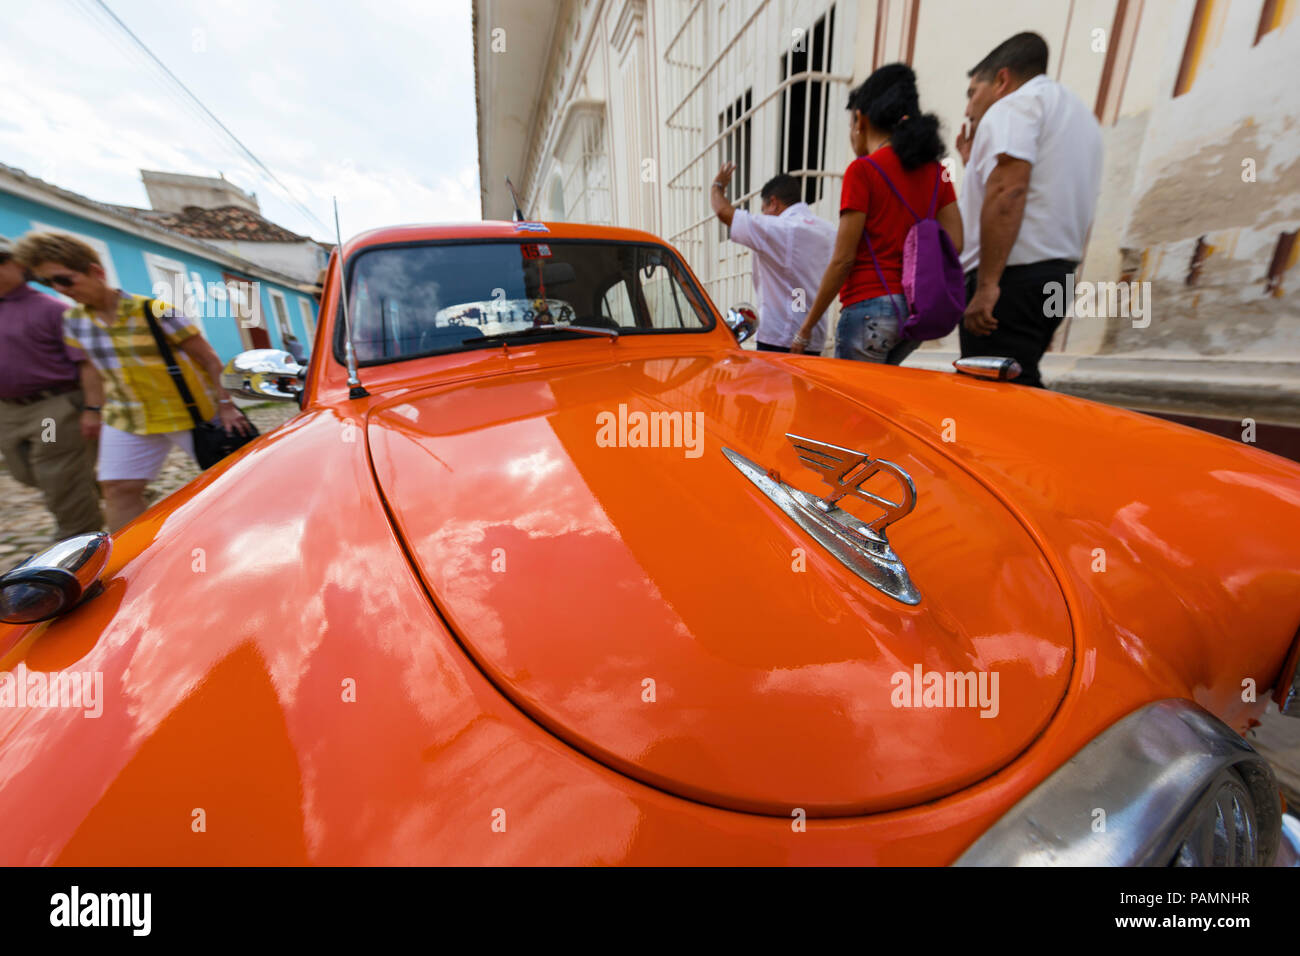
(1279, 488)
(458, 564)
(534, 468)
(487, 756)
(1132, 520)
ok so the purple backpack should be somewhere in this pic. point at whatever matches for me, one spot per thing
(932, 278)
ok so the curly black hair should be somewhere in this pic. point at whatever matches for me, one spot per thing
(889, 98)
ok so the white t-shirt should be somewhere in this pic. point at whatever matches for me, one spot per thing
(791, 252)
(1046, 125)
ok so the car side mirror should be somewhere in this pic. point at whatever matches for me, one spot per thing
(742, 319)
(264, 373)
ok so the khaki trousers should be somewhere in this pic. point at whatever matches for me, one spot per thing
(43, 447)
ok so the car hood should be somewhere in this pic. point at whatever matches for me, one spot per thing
(652, 607)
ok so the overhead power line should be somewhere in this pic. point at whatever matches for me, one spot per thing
(301, 206)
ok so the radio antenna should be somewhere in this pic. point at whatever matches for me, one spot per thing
(519, 213)
(355, 388)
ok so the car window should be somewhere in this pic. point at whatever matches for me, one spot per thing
(664, 298)
(422, 299)
(617, 306)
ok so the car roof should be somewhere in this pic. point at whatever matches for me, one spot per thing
(496, 229)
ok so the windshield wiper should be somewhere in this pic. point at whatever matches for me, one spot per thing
(586, 329)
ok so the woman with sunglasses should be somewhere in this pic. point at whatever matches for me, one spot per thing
(132, 402)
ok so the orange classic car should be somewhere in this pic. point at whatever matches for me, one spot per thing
(549, 570)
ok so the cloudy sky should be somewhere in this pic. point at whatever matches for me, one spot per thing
(373, 103)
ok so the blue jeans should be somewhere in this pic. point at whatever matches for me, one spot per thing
(868, 331)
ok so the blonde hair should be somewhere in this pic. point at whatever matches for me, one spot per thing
(57, 247)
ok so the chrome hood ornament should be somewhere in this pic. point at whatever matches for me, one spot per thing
(860, 546)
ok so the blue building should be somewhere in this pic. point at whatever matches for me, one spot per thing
(238, 304)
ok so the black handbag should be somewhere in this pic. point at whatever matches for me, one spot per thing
(211, 441)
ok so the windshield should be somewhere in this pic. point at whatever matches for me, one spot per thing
(424, 299)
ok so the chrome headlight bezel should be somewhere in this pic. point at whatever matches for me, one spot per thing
(1287, 692)
(1154, 775)
(55, 580)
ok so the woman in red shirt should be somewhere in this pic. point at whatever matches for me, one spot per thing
(889, 127)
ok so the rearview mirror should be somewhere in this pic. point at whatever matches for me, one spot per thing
(555, 273)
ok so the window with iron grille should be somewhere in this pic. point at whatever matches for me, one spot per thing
(805, 105)
(734, 148)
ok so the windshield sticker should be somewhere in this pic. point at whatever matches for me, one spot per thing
(536, 250)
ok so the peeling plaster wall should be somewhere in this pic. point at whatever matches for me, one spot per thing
(1190, 189)
(1103, 260)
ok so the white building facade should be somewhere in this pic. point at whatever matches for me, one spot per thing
(621, 111)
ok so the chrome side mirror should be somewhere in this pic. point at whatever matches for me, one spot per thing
(988, 366)
(742, 319)
(264, 373)
(55, 580)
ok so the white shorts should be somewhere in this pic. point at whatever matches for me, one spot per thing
(124, 456)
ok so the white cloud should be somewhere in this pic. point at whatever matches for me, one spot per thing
(374, 105)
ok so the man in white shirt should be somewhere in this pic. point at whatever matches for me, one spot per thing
(1033, 174)
(791, 250)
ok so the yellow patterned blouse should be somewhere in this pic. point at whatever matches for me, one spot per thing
(139, 395)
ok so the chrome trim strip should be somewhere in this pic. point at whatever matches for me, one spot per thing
(1151, 773)
(1291, 699)
(1288, 853)
(1288, 698)
(855, 545)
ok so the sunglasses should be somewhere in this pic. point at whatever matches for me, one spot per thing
(5, 257)
(60, 282)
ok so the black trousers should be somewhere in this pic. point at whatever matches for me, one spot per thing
(1024, 329)
(764, 347)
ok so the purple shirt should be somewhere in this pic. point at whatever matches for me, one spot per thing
(33, 355)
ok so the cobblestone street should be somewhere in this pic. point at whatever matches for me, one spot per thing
(26, 527)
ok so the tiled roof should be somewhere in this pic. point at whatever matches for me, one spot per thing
(150, 219)
(224, 222)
